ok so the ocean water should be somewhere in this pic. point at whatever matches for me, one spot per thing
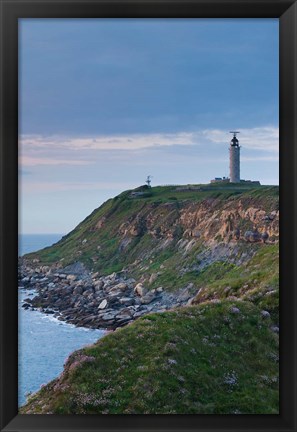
(44, 341)
(33, 242)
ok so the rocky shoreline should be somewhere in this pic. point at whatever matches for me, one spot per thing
(77, 296)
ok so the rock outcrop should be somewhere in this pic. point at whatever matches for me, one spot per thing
(77, 296)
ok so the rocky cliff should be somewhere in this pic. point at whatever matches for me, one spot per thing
(163, 249)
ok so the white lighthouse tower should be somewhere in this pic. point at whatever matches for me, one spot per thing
(234, 159)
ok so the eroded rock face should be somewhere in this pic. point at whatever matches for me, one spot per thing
(205, 220)
(224, 222)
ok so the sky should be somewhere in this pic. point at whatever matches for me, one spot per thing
(105, 102)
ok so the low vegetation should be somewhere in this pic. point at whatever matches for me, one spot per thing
(215, 358)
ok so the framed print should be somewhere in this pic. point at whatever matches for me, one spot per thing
(148, 206)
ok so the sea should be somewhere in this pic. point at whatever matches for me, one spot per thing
(44, 342)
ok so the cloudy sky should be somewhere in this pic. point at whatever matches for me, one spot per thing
(105, 102)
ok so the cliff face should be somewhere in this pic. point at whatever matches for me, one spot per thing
(125, 228)
(207, 244)
(207, 220)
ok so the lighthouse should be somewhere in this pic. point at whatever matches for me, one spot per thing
(234, 164)
(234, 158)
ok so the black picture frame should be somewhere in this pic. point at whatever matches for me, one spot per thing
(11, 11)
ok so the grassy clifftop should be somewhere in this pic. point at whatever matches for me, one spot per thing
(215, 358)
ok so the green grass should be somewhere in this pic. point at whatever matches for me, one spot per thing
(257, 281)
(197, 360)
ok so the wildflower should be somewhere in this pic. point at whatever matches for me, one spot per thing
(79, 360)
(230, 378)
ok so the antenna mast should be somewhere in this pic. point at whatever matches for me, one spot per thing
(148, 180)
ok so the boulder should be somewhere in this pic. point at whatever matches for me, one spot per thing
(148, 298)
(252, 236)
(184, 295)
(44, 279)
(108, 316)
(121, 286)
(74, 269)
(265, 314)
(191, 301)
(153, 277)
(126, 301)
(113, 291)
(235, 310)
(140, 290)
(103, 304)
(139, 313)
(78, 290)
(112, 277)
(98, 285)
(124, 314)
(113, 299)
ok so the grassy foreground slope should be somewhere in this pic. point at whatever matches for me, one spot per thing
(216, 357)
